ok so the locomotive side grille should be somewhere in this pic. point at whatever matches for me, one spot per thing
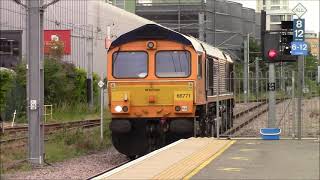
(222, 80)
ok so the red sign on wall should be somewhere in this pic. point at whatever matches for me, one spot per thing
(63, 36)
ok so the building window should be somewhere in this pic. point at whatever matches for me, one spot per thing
(119, 3)
(275, 18)
(275, 8)
(275, 2)
(275, 27)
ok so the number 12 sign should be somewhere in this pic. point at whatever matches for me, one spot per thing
(298, 29)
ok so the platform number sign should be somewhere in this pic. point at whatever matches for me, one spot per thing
(298, 29)
(298, 46)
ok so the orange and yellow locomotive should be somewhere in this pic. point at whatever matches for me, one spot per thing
(163, 86)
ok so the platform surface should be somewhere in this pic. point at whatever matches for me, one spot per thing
(175, 161)
(262, 159)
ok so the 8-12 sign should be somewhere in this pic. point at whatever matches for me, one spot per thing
(299, 48)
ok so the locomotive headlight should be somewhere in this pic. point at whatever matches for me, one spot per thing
(125, 109)
(184, 108)
(118, 108)
(150, 45)
(177, 108)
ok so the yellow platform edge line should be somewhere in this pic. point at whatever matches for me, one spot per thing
(208, 161)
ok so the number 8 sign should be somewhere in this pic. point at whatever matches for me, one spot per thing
(298, 29)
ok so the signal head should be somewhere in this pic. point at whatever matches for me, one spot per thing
(272, 54)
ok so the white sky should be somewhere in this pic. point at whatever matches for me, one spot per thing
(311, 17)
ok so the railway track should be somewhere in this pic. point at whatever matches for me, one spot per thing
(55, 126)
(259, 108)
(48, 128)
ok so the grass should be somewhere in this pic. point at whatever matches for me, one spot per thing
(63, 145)
(67, 113)
(75, 112)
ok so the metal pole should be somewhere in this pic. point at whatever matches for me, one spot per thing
(318, 56)
(257, 75)
(281, 77)
(293, 105)
(248, 64)
(245, 70)
(91, 67)
(299, 88)
(214, 22)
(318, 70)
(201, 26)
(89, 70)
(34, 81)
(303, 65)
(272, 100)
(101, 110)
(42, 79)
(179, 14)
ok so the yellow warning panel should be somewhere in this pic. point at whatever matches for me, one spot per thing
(247, 150)
(239, 158)
(230, 169)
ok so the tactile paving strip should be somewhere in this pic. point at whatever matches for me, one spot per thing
(175, 162)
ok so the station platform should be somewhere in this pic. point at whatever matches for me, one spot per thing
(209, 158)
(265, 159)
(175, 161)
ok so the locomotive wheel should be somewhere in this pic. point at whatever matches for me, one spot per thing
(134, 142)
(182, 126)
(180, 129)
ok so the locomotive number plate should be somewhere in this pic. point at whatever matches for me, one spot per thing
(183, 95)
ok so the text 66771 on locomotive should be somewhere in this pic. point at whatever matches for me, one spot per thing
(163, 86)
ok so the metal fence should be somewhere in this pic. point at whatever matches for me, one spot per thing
(251, 108)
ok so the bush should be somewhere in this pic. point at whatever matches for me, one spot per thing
(64, 84)
(6, 84)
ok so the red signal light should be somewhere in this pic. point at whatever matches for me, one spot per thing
(272, 54)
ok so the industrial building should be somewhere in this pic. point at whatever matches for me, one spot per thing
(81, 25)
(276, 11)
(224, 24)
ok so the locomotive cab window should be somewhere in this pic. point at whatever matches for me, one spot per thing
(173, 63)
(130, 64)
(199, 66)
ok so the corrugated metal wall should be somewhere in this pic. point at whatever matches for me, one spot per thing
(88, 21)
(71, 14)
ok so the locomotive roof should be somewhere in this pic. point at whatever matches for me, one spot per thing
(156, 31)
